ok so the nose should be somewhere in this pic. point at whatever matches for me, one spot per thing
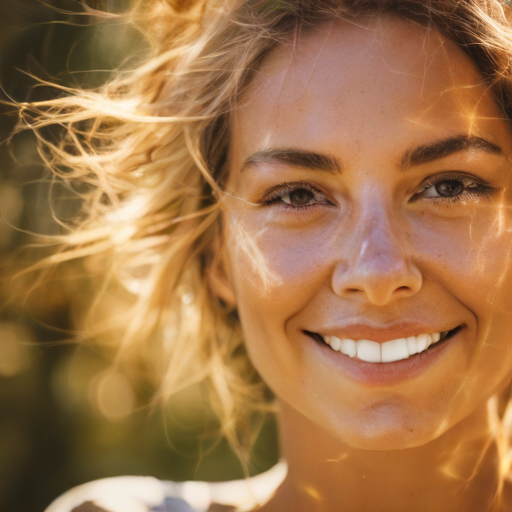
(378, 265)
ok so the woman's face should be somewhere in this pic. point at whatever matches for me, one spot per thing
(370, 200)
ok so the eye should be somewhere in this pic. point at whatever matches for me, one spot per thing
(299, 197)
(447, 188)
(453, 187)
(295, 195)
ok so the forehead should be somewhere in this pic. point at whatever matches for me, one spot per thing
(384, 78)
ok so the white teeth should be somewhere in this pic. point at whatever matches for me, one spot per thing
(387, 352)
(348, 347)
(368, 351)
(412, 345)
(335, 343)
(423, 342)
(394, 350)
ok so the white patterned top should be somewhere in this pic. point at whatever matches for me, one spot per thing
(147, 494)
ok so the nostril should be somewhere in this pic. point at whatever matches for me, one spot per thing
(368, 280)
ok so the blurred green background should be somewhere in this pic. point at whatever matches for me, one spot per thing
(62, 422)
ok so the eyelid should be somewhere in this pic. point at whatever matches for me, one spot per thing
(481, 186)
(275, 192)
(452, 175)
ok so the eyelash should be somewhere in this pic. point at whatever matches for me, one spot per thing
(275, 195)
(472, 188)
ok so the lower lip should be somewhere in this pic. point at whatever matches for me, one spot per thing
(385, 374)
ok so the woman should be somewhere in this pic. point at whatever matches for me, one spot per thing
(328, 181)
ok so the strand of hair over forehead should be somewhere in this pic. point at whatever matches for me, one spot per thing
(153, 145)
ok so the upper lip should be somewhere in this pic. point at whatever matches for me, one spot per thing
(359, 331)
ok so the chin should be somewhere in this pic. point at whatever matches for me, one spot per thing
(384, 429)
(387, 441)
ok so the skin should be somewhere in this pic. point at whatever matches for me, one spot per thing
(377, 245)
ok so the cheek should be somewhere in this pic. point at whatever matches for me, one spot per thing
(275, 273)
(469, 257)
(277, 268)
(470, 260)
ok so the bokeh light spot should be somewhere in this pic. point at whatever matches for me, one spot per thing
(14, 354)
(113, 395)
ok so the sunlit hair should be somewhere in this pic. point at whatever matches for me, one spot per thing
(152, 148)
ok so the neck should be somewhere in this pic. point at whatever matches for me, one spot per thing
(458, 471)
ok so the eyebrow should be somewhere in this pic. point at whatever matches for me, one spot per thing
(323, 162)
(296, 158)
(446, 147)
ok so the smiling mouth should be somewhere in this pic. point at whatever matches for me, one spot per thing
(387, 352)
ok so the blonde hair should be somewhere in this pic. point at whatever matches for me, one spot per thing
(152, 145)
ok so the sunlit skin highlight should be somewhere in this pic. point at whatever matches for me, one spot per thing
(375, 246)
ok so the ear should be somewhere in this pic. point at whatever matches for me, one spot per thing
(218, 277)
